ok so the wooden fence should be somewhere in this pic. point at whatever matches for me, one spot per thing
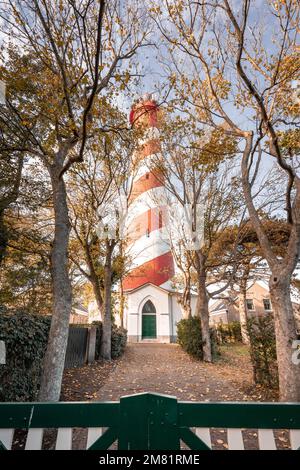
(81, 346)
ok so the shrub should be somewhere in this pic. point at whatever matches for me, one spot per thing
(229, 332)
(263, 350)
(25, 336)
(189, 336)
(118, 340)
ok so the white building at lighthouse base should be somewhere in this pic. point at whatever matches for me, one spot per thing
(151, 314)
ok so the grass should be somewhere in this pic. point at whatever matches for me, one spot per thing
(234, 349)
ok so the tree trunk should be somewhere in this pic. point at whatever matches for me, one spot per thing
(3, 236)
(243, 309)
(243, 317)
(122, 304)
(203, 312)
(202, 304)
(105, 350)
(93, 278)
(62, 294)
(5, 203)
(285, 329)
(186, 297)
(122, 296)
(187, 312)
(97, 294)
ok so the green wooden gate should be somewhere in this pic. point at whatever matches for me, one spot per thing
(149, 326)
(149, 421)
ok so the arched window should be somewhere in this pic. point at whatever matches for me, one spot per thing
(148, 307)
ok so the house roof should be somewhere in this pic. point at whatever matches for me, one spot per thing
(169, 291)
(80, 309)
(219, 305)
(129, 291)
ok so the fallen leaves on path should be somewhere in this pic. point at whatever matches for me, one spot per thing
(83, 383)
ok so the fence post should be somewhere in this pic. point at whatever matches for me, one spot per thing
(91, 344)
(2, 352)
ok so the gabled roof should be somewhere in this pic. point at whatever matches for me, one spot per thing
(219, 305)
(129, 291)
(80, 309)
(169, 291)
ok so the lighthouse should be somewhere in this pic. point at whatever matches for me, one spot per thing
(148, 246)
(152, 307)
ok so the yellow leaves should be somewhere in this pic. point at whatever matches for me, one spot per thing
(156, 10)
(290, 66)
(190, 38)
(221, 85)
(85, 80)
(19, 20)
(122, 79)
(126, 77)
(290, 141)
(219, 147)
(279, 4)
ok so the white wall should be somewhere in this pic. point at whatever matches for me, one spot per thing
(133, 312)
(168, 312)
(178, 312)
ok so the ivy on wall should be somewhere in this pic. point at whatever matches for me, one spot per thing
(25, 338)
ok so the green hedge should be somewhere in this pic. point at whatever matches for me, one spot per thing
(118, 340)
(189, 336)
(25, 338)
(229, 332)
(263, 350)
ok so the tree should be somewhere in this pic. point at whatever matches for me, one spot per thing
(196, 174)
(67, 60)
(25, 279)
(232, 61)
(11, 166)
(250, 264)
(28, 224)
(95, 189)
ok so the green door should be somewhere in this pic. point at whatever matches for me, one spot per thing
(149, 326)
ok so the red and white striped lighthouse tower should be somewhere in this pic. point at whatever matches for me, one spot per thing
(149, 251)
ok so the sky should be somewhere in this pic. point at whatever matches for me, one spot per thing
(151, 62)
